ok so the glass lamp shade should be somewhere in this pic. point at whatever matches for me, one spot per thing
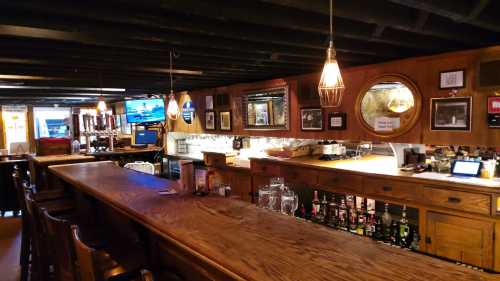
(401, 100)
(172, 108)
(331, 86)
(101, 105)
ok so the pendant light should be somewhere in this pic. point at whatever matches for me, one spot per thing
(331, 86)
(401, 99)
(172, 108)
(101, 104)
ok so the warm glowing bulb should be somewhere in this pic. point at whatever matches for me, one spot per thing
(331, 86)
(101, 105)
(401, 100)
(172, 108)
(331, 75)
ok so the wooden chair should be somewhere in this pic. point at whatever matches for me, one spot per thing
(36, 244)
(99, 265)
(58, 232)
(25, 235)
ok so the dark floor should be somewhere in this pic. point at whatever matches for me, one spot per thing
(10, 243)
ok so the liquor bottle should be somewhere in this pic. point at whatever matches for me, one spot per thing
(362, 218)
(415, 245)
(394, 230)
(353, 220)
(404, 229)
(370, 226)
(386, 220)
(333, 212)
(379, 229)
(370, 206)
(316, 207)
(343, 217)
(302, 211)
(323, 208)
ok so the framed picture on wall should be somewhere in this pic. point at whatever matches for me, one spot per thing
(225, 120)
(209, 102)
(209, 120)
(337, 121)
(311, 119)
(451, 114)
(452, 79)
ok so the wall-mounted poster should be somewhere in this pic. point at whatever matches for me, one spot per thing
(210, 120)
(188, 112)
(311, 119)
(225, 120)
(337, 121)
(451, 114)
(209, 102)
(452, 79)
(494, 112)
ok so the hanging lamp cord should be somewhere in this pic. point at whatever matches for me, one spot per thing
(171, 79)
(331, 23)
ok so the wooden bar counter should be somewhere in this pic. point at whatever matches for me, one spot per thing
(215, 238)
(39, 164)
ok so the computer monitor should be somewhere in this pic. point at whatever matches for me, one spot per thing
(466, 168)
(146, 137)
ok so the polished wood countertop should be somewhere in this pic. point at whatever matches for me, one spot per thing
(385, 166)
(248, 243)
(60, 159)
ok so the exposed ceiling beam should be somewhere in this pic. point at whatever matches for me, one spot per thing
(244, 21)
(458, 11)
(381, 13)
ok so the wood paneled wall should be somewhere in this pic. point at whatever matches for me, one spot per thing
(423, 71)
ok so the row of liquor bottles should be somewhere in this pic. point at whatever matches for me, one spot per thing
(358, 215)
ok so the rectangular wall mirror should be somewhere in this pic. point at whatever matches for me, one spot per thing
(266, 109)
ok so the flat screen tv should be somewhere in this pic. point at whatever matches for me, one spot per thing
(145, 111)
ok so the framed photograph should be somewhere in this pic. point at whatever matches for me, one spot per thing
(225, 120)
(452, 79)
(209, 102)
(451, 114)
(337, 121)
(311, 119)
(209, 120)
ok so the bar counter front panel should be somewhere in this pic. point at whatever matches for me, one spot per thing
(214, 238)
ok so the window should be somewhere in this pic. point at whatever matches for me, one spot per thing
(15, 128)
(52, 122)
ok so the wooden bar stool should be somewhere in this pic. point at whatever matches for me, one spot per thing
(99, 265)
(37, 246)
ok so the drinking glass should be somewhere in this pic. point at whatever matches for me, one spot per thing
(264, 197)
(275, 197)
(289, 203)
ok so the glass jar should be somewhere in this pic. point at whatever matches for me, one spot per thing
(264, 197)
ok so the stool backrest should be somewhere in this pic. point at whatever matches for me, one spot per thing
(60, 241)
(85, 257)
(18, 186)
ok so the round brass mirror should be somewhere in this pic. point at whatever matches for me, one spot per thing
(389, 106)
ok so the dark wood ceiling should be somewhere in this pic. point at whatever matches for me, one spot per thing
(54, 49)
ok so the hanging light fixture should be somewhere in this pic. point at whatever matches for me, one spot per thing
(331, 86)
(401, 99)
(101, 104)
(172, 108)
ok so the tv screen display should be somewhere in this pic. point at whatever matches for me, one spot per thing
(145, 137)
(145, 111)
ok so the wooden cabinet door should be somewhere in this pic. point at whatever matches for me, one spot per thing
(240, 182)
(465, 240)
